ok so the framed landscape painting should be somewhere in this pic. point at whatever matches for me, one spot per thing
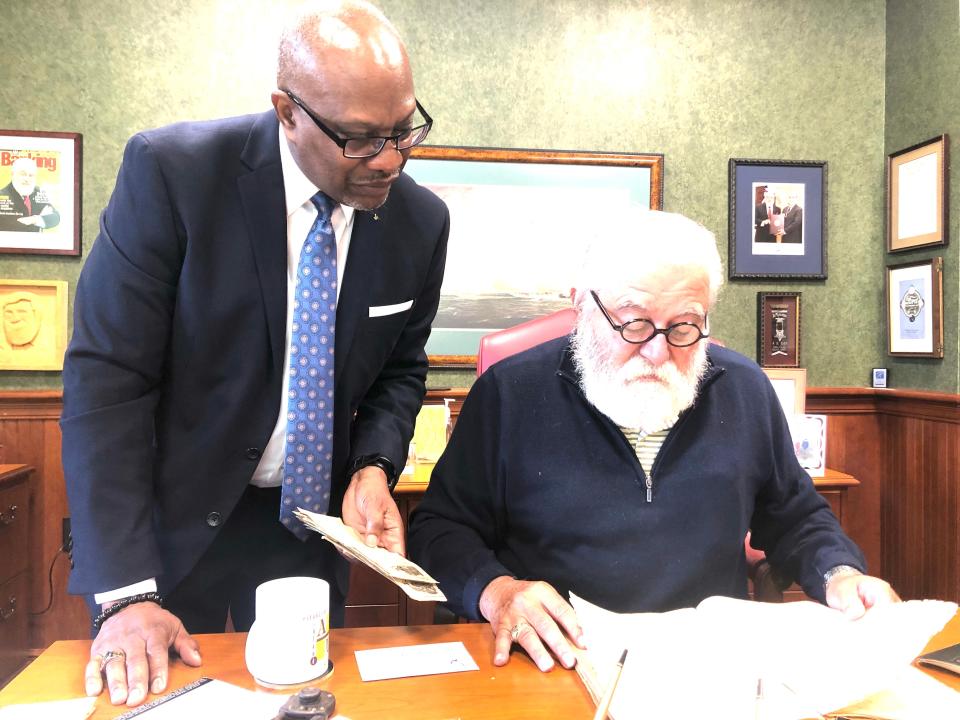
(517, 220)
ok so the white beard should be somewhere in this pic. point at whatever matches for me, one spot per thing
(648, 404)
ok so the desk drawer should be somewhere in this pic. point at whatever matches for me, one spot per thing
(13, 624)
(14, 511)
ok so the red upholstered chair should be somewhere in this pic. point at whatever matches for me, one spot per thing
(497, 345)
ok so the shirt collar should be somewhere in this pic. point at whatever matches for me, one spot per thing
(297, 187)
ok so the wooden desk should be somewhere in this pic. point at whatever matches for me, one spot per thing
(372, 599)
(15, 600)
(833, 486)
(517, 690)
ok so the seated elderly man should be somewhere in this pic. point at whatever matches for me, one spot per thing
(626, 463)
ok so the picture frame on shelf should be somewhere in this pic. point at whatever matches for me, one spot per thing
(790, 385)
(918, 195)
(809, 435)
(513, 265)
(40, 183)
(34, 333)
(778, 329)
(914, 299)
(777, 220)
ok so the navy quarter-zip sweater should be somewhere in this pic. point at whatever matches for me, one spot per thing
(538, 484)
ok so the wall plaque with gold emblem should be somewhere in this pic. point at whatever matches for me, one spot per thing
(914, 308)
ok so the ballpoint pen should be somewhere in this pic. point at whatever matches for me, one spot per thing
(758, 703)
(604, 703)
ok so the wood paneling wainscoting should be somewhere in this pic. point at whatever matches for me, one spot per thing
(903, 446)
(30, 434)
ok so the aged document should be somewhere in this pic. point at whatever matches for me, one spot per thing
(735, 659)
(406, 575)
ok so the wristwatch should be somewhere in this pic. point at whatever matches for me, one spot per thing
(838, 570)
(380, 461)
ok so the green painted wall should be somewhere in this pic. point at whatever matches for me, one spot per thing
(923, 101)
(700, 81)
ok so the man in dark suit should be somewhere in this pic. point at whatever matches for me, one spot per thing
(25, 207)
(175, 421)
(792, 220)
(764, 214)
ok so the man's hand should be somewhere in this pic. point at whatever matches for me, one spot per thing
(143, 634)
(854, 593)
(35, 220)
(369, 509)
(530, 614)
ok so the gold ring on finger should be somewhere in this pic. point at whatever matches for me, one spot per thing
(109, 656)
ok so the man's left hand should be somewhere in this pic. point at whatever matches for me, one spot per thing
(369, 509)
(854, 594)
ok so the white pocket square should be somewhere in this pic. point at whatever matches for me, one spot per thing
(381, 310)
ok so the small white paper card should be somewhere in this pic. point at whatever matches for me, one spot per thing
(77, 709)
(413, 661)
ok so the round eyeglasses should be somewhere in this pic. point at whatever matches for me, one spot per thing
(640, 331)
(365, 147)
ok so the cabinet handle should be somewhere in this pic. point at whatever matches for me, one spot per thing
(7, 612)
(8, 517)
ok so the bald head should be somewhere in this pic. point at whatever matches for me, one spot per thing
(343, 74)
(329, 39)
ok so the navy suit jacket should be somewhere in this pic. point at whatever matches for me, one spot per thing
(174, 374)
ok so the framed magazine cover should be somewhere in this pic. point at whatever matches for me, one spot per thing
(914, 294)
(40, 192)
(778, 220)
(515, 264)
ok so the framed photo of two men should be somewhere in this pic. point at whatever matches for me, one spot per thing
(778, 223)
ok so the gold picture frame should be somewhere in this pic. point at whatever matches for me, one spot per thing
(34, 333)
(790, 384)
(511, 266)
(918, 195)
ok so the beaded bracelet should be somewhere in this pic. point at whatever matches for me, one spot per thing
(126, 602)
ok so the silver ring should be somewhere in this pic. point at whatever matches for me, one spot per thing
(517, 629)
(109, 656)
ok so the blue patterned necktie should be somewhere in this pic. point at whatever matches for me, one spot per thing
(309, 458)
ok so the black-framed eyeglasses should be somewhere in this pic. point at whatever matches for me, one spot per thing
(364, 147)
(640, 331)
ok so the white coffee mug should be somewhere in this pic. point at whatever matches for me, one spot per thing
(287, 644)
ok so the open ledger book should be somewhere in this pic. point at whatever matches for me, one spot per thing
(807, 660)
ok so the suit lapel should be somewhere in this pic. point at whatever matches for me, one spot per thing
(264, 209)
(353, 305)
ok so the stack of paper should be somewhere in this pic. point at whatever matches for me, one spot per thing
(406, 575)
(805, 659)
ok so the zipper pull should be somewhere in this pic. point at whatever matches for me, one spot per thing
(649, 489)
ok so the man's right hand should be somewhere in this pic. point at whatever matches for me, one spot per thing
(144, 632)
(530, 614)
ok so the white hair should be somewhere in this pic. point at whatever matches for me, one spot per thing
(22, 161)
(633, 242)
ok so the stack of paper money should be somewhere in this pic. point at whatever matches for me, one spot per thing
(406, 575)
